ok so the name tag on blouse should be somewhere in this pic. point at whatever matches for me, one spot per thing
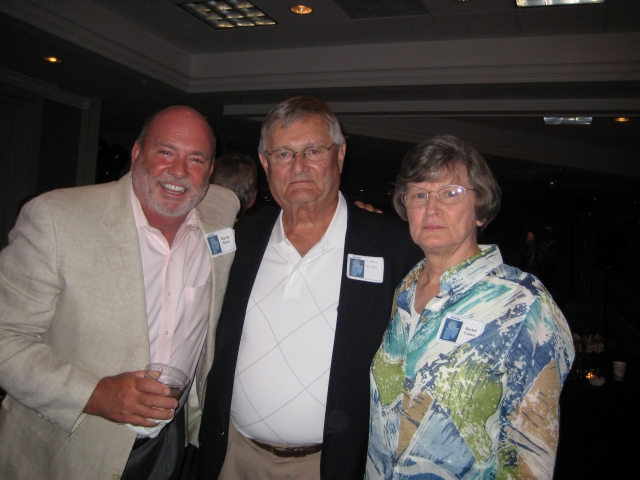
(459, 330)
(367, 269)
(220, 242)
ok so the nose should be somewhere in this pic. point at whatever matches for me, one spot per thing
(299, 163)
(178, 167)
(433, 204)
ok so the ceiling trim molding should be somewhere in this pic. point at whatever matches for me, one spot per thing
(417, 77)
(110, 37)
(47, 90)
(579, 58)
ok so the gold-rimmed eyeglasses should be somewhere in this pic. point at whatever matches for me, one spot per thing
(447, 195)
(284, 156)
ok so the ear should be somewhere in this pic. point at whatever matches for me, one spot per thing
(265, 164)
(341, 153)
(211, 169)
(135, 151)
(479, 223)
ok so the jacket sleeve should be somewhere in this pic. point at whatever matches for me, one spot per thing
(30, 284)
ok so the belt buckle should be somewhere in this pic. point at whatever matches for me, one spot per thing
(281, 451)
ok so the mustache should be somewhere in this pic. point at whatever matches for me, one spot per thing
(182, 182)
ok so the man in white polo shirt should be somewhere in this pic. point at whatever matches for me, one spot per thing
(306, 306)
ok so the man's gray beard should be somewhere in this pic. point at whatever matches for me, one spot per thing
(144, 183)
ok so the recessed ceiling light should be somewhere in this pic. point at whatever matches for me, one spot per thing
(301, 9)
(228, 14)
(53, 59)
(553, 3)
(568, 120)
(622, 119)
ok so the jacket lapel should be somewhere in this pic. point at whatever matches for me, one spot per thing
(356, 306)
(123, 255)
(210, 219)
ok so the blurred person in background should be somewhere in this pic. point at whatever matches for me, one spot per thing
(239, 173)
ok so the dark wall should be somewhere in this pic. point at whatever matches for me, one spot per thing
(59, 146)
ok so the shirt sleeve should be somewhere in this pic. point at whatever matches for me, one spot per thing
(538, 364)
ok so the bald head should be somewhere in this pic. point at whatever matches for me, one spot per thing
(182, 113)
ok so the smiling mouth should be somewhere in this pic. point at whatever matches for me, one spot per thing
(173, 188)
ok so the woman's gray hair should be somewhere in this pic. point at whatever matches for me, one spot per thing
(437, 157)
(299, 108)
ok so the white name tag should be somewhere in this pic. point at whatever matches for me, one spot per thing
(221, 242)
(367, 269)
(459, 330)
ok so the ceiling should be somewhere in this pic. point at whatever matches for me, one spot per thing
(396, 70)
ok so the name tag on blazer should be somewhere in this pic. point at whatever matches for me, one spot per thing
(220, 242)
(366, 269)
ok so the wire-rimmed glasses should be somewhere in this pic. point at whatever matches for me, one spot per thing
(284, 156)
(447, 195)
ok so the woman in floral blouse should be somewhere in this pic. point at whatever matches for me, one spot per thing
(467, 380)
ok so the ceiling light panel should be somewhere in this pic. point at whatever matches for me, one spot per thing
(552, 3)
(568, 120)
(228, 14)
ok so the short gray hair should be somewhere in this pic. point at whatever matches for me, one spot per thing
(299, 108)
(434, 158)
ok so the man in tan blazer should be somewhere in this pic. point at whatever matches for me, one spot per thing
(75, 327)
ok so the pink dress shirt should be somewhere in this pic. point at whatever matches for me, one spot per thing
(177, 282)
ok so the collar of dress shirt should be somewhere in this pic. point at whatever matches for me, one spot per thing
(333, 237)
(466, 274)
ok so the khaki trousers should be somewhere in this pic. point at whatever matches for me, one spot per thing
(246, 461)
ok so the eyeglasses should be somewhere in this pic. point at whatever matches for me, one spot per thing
(284, 156)
(447, 195)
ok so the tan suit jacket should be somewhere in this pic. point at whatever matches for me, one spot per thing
(73, 310)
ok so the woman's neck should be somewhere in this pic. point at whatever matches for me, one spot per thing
(435, 265)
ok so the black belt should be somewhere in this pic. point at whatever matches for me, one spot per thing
(298, 451)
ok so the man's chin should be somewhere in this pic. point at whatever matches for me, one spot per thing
(174, 209)
(178, 207)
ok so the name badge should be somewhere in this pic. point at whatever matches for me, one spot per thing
(221, 242)
(367, 269)
(459, 330)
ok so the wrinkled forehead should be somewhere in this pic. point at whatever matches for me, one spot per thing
(311, 123)
(182, 126)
